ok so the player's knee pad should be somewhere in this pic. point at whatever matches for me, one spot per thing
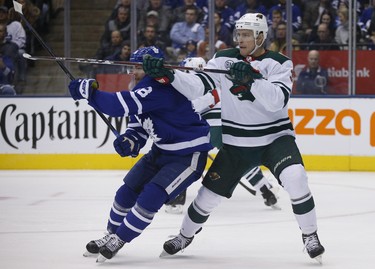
(206, 201)
(125, 196)
(152, 197)
(294, 181)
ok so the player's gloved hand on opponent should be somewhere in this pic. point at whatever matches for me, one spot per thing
(82, 88)
(127, 145)
(154, 67)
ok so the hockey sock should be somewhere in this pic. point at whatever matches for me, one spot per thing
(294, 180)
(124, 200)
(142, 213)
(199, 211)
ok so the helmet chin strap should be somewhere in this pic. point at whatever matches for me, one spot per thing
(256, 46)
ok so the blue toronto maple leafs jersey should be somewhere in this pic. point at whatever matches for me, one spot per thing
(158, 112)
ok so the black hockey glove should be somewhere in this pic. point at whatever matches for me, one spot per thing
(127, 145)
(82, 88)
(243, 73)
(242, 92)
(154, 67)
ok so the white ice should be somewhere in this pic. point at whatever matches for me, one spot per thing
(47, 217)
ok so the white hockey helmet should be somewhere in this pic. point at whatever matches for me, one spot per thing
(256, 22)
(197, 63)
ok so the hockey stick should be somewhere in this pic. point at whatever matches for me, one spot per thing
(253, 192)
(18, 8)
(109, 62)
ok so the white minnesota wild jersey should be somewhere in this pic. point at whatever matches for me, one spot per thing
(247, 123)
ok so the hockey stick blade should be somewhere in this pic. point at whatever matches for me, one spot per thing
(108, 62)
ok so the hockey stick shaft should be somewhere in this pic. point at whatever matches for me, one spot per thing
(18, 8)
(109, 62)
(253, 192)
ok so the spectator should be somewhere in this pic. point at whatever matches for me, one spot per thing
(365, 19)
(113, 47)
(17, 35)
(6, 76)
(313, 79)
(313, 14)
(120, 3)
(121, 23)
(31, 13)
(249, 6)
(279, 44)
(149, 37)
(323, 39)
(191, 48)
(203, 46)
(277, 17)
(179, 12)
(122, 55)
(296, 14)
(227, 14)
(164, 16)
(7, 48)
(187, 30)
(223, 32)
(342, 31)
(327, 18)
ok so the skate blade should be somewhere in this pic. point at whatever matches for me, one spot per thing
(89, 254)
(101, 259)
(319, 259)
(276, 207)
(164, 254)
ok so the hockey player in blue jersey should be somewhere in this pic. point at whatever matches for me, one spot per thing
(177, 157)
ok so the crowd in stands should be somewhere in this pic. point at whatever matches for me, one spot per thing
(180, 27)
(16, 39)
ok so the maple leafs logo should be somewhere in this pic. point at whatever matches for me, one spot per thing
(148, 126)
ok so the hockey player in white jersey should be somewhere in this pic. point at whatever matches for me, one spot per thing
(256, 129)
(177, 157)
(209, 107)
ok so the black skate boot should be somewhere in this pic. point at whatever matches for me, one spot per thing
(110, 249)
(313, 246)
(268, 196)
(93, 246)
(176, 244)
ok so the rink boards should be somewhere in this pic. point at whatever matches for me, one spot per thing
(58, 133)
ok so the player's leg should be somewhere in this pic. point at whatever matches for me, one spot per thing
(261, 184)
(220, 181)
(285, 159)
(125, 198)
(174, 176)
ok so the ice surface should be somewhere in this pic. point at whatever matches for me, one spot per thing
(47, 217)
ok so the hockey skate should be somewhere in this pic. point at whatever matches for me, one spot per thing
(176, 206)
(176, 244)
(110, 249)
(93, 246)
(312, 245)
(174, 209)
(269, 198)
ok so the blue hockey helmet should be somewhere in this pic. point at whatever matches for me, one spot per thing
(137, 56)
